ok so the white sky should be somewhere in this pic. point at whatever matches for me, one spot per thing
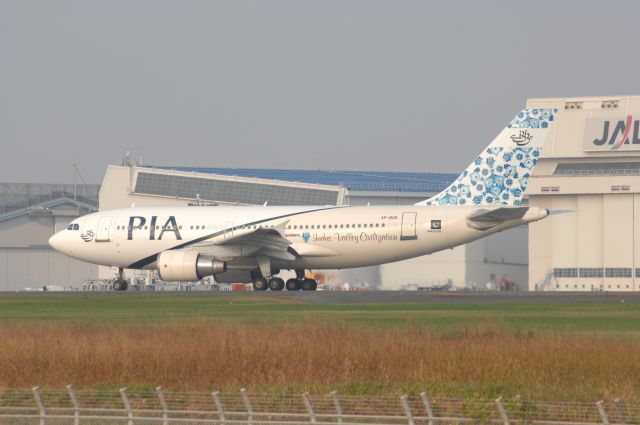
(372, 85)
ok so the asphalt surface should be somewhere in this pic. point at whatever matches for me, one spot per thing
(370, 297)
(344, 297)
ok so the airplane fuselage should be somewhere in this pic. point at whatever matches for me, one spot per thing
(322, 237)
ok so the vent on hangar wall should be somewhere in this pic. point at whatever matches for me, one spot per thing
(610, 104)
(573, 105)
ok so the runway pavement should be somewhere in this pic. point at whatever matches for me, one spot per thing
(375, 297)
(348, 297)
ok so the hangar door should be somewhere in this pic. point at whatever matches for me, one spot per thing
(408, 231)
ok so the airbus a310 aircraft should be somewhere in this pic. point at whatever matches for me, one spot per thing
(254, 243)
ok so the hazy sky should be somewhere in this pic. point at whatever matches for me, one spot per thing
(374, 85)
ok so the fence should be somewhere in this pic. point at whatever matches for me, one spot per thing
(55, 407)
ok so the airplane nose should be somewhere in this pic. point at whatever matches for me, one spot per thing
(54, 241)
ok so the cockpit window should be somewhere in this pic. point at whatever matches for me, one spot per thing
(70, 227)
(73, 226)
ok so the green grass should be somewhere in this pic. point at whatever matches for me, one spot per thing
(485, 347)
(533, 315)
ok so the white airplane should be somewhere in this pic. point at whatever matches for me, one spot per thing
(253, 243)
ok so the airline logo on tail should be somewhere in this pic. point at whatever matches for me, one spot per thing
(522, 138)
(500, 174)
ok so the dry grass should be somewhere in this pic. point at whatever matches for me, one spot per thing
(204, 355)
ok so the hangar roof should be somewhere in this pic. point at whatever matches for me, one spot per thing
(369, 181)
(49, 208)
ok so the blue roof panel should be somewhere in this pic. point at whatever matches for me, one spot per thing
(371, 181)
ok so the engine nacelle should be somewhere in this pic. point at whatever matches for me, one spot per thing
(187, 266)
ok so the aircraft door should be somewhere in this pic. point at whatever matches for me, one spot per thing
(104, 229)
(228, 229)
(408, 226)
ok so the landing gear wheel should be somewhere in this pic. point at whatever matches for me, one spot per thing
(260, 284)
(293, 285)
(309, 285)
(120, 285)
(276, 284)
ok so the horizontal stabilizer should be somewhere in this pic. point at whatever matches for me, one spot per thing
(484, 219)
(558, 212)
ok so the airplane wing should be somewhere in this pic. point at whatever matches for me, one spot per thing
(265, 239)
(263, 243)
(484, 219)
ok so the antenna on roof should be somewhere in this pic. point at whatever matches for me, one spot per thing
(77, 174)
(140, 154)
(126, 160)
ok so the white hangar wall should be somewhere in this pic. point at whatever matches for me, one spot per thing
(27, 260)
(594, 244)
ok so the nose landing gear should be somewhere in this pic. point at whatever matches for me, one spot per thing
(120, 283)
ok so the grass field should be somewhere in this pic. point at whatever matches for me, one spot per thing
(541, 350)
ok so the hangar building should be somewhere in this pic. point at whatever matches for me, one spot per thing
(29, 214)
(486, 260)
(589, 168)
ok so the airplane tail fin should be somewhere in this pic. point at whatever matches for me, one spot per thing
(499, 175)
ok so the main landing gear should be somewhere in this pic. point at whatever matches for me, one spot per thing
(120, 284)
(275, 283)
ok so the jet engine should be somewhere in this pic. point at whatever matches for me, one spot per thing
(187, 266)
